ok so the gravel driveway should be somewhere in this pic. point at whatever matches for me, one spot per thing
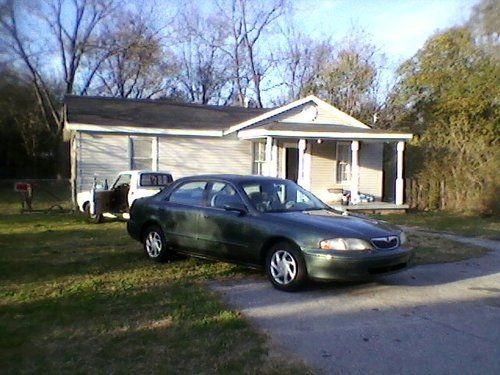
(439, 319)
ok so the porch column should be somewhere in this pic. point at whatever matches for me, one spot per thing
(354, 172)
(269, 155)
(307, 166)
(399, 176)
(274, 158)
(304, 175)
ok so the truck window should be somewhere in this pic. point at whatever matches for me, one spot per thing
(155, 179)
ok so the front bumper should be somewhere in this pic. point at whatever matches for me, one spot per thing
(330, 265)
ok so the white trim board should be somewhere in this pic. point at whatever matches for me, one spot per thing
(142, 131)
(259, 133)
(349, 120)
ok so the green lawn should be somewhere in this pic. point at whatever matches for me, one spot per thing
(474, 226)
(79, 298)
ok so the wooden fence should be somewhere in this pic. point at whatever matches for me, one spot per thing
(425, 195)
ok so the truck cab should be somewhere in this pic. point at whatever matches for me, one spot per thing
(115, 202)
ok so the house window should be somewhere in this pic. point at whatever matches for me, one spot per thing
(141, 153)
(343, 162)
(259, 157)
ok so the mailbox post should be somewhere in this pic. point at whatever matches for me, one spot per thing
(26, 191)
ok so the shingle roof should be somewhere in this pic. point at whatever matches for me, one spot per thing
(317, 128)
(154, 113)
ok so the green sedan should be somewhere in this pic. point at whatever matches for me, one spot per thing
(265, 222)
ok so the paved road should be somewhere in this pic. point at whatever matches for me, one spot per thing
(433, 319)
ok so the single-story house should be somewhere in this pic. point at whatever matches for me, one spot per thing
(308, 140)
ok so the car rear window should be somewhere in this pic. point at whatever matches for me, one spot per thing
(155, 179)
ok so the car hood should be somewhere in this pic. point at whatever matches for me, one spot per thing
(336, 224)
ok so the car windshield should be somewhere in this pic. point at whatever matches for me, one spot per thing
(280, 196)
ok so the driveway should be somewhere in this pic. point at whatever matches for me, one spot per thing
(432, 319)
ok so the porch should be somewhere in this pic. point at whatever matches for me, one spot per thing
(330, 160)
(373, 207)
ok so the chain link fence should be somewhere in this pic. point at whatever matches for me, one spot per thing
(48, 195)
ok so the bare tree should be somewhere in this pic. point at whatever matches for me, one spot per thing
(229, 19)
(135, 64)
(350, 79)
(203, 72)
(249, 23)
(301, 60)
(72, 27)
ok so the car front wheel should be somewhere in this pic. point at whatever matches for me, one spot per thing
(155, 245)
(285, 267)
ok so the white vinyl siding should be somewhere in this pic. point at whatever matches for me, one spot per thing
(102, 156)
(322, 169)
(187, 156)
(303, 114)
(370, 169)
(324, 173)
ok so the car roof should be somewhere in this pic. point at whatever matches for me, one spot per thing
(138, 171)
(235, 178)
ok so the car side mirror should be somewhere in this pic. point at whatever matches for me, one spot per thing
(237, 207)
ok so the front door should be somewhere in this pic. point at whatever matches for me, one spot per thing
(292, 163)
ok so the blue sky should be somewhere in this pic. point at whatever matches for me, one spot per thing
(397, 27)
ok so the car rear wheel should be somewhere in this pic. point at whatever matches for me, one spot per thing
(92, 218)
(285, 267)
(155, 245)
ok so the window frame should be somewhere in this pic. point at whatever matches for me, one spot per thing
(141, 175)
(258, 157)
(338, 162)
(152, 157)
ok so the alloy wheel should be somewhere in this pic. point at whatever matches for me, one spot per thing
(283, 267)
(153, 244)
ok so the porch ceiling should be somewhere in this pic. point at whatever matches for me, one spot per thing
(315, 130)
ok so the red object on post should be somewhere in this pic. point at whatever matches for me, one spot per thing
(22, 187)
(26, 191)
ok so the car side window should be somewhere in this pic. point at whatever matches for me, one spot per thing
(190, 193)
(222, 194)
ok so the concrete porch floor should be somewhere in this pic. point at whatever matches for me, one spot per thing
(372, 207)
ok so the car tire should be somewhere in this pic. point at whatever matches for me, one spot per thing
(155, 245)
(285, 267)
(92, 218)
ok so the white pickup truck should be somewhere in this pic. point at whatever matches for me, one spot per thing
(115, 202)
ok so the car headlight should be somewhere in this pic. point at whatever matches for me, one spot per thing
(344, 244)
(402, 238)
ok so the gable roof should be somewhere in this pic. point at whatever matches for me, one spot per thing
(155, 117)
(153, 114)
(344, 118)
(318, 130)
